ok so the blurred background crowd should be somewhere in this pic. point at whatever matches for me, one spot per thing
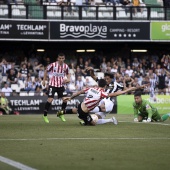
(21, 74)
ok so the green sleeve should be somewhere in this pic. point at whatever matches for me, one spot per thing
(135, 111)
(149, 109)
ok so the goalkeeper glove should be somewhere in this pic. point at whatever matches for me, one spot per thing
(135, 119)
(149, 120)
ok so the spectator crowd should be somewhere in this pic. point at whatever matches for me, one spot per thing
(25, 75)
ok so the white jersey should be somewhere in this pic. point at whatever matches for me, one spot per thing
(93, 97)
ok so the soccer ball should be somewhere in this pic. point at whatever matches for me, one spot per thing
(94, 117)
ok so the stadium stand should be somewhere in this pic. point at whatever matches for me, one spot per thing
(153, 10)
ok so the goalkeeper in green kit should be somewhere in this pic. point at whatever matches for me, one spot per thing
(145, 112)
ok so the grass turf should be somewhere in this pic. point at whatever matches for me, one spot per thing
(67, 145)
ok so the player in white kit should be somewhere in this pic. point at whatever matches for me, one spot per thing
(106, 105)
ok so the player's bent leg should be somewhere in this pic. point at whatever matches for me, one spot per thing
(165, 117)
(102, 120)
(108, 105)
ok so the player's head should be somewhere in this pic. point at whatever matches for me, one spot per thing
(108, 77)
(137, 97)
(61, 58)
(102, 83)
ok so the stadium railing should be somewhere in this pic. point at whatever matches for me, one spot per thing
(55, 12)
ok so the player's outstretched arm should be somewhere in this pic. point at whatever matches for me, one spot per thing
(121, 92)
(125, 91)
(73, 96)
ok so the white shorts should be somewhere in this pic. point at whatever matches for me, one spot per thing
(108, 104)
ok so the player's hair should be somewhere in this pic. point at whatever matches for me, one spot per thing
(138, 93)
(61, 54)
(109, 75)
(102, 83)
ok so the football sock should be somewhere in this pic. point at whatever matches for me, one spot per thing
(165, 117)
(63, 106)
(103, 121)
(47, 106)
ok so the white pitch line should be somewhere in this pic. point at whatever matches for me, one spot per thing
(15, 164)
(39, 139)
(151, 123)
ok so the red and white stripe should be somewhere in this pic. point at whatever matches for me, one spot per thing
(93, 97)
(57, 73)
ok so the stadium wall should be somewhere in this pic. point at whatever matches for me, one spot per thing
(35, 105)
(122, 104)
(56, 31)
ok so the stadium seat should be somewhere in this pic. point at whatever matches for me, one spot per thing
(3, 6)
(100, 75)
(154, 14)
(22, 7)
(103, 8)
(23, 93)
(92, 9)
(14, 6)
(15, 87)
(91, 14)
(100, 15)
(50, 14)
(4, 78)
(31, 93)
(5, 11)
(1, 12)
(23, 13)
(106, 14)
(122, 14)
(161, 15)
(52, 8)
(84, 15)
(58, 14)
(16, 12)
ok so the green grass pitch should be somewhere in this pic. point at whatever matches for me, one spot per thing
(70, 146)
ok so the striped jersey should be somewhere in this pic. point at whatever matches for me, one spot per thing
(114, 87)
(57, 73)
(93, 97)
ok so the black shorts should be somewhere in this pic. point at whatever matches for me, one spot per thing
(59, 90)
(84, 116)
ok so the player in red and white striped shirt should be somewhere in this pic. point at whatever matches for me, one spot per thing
(59, 76)
(93, 97)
